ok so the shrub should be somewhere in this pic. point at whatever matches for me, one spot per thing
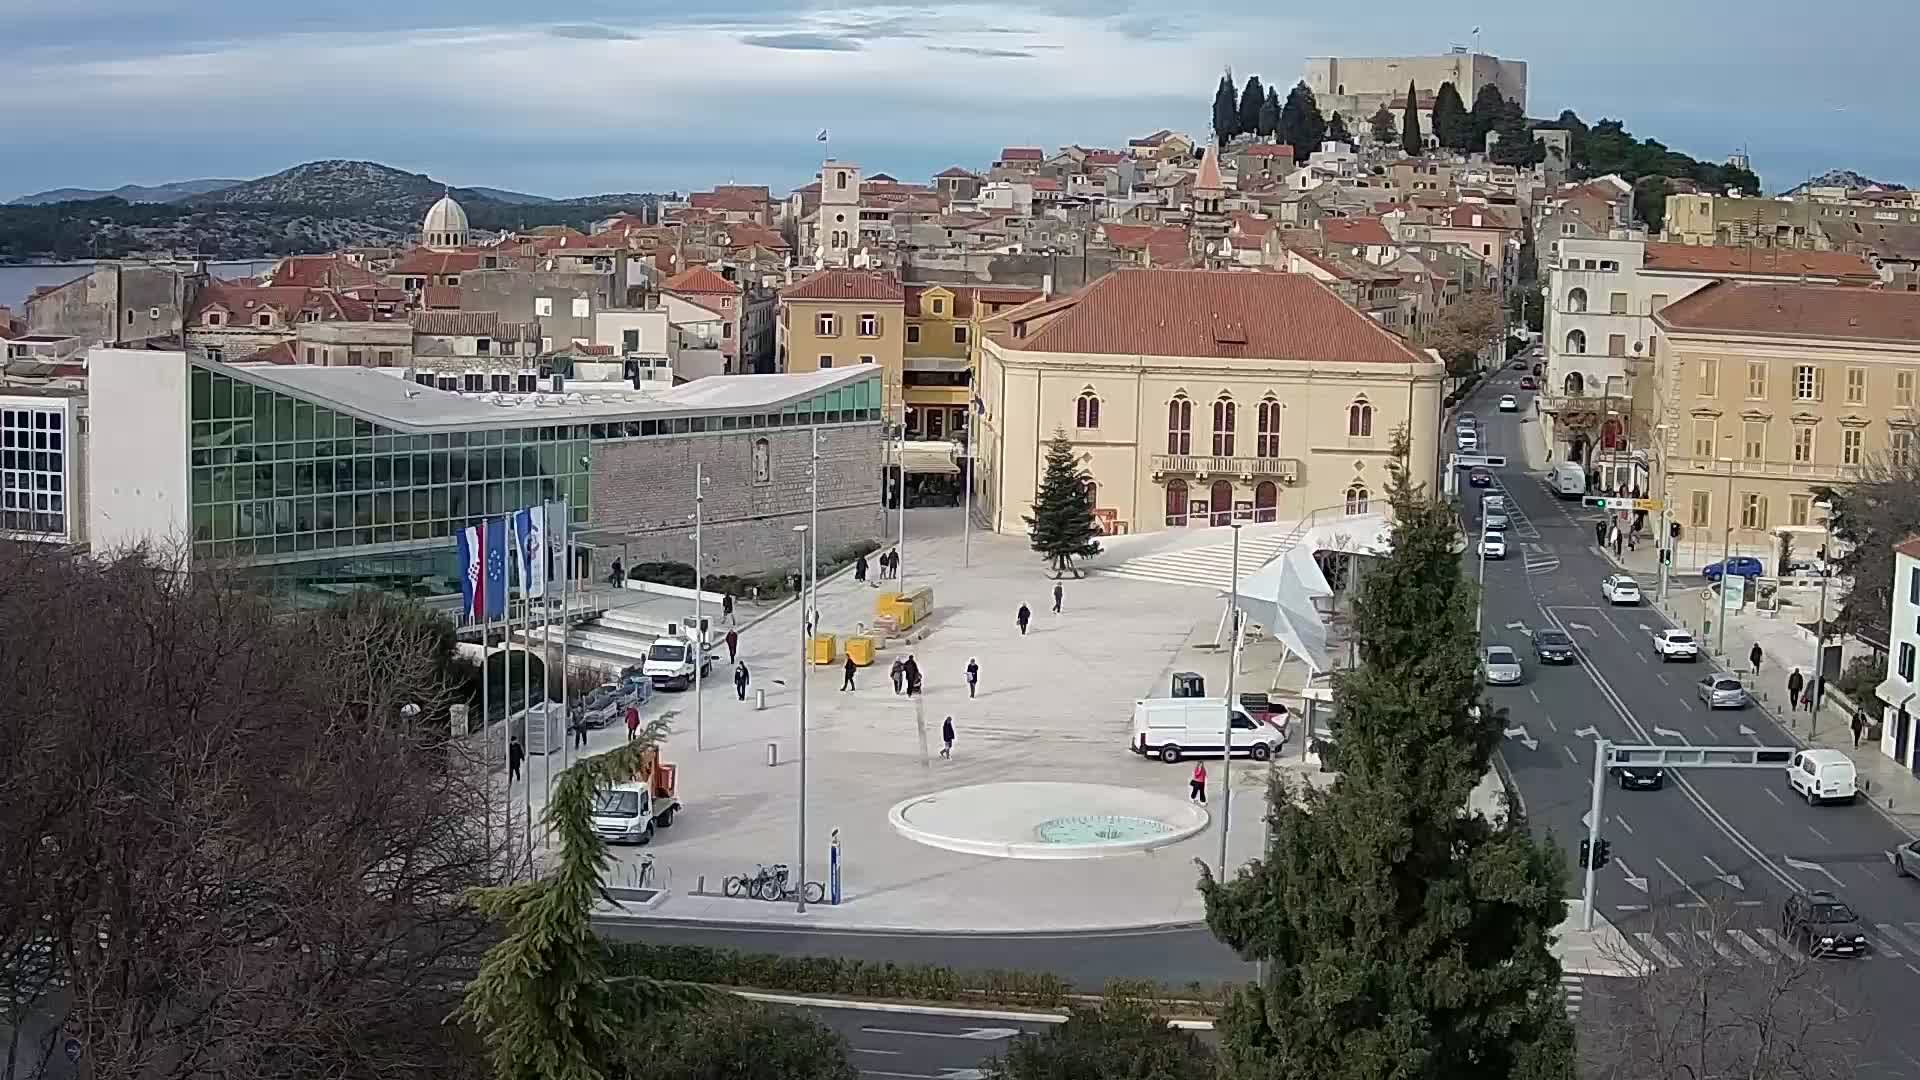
(1859, 677)
(835, 975)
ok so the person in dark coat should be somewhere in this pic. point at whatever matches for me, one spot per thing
(851, 668)
(1057, 591)
(912, 671)
(740, 677)
(946, 738)
(515, 754)
(733, 645)
(1794, 684)
(1754, 658)
(1023, 616)
(633, 722)
(973, 676)
(1859, 725)
(899, 675)
(860, 568)
(617, 574)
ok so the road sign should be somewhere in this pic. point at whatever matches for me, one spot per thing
(1468, 461)
(1619, 502)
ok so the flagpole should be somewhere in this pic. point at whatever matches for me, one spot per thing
(546, 673)
(699, 625)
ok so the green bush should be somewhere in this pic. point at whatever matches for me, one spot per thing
(1859, 677)
(772, 585)
(837, 976)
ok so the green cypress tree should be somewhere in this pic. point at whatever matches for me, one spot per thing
(1385, 131)
(1226, 110)
(1062, 527)
(1301, 125)
(1488, 107)
(1450, 122)
(1270, 114)
(1403, 936)
(1410, 138)
(1337, 130)
(1252, 97)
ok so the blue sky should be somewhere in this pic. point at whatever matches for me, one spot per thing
(582, 96)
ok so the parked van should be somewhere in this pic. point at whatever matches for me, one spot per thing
(1173, 728)
(1823, 776)
(1568, 480)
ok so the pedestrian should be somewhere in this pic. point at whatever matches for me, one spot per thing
(1753, 658)
(1023, 616)
(899, 675)
(1630, 539)
(617, 574)
(733, 644)
(579, 731)
(1816, 692)
(1616, 543)
(973, 675)
(893, 563)
(726, 608)
(740, 677)
(946, 738)
(851, 668)
(515, 753)
(1859, 725)
(1794, 683)
(633, 722)
(912, 671)
(1600, 533)
(1198, 791)
(1056, 598)
(860, 567)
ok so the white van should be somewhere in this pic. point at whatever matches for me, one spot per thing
(1568, 480)
(1173, 728)
(1823, 776)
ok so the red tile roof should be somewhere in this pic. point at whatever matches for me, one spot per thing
(1022, 153)
(441, 297)
(700, 281)
(1910, 547)
(1213, 314)
(321, 272)
(1785, 262)
(955, 172)
(1798, 311)
(1208, 178)
(725, 200)
(1356, 232)
(1273, 150)
(421, 262)
(280, 352)
(846, 285)
(1155, 139)
(1045, 183)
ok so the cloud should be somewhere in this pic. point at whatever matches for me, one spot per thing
(983, 51)
(801, 42)
(589, 32)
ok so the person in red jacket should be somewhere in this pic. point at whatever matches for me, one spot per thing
(1199, 792)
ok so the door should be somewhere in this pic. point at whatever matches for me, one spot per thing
(1900, 738)
(1221, 500)
(1266, 501)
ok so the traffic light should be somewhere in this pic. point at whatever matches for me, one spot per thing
(1673, 530)
(1585, 845)
(1601, 856)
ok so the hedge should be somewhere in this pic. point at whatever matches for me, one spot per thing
(772, 585)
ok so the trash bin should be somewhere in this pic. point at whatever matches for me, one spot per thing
(823, 648)
(860, 650)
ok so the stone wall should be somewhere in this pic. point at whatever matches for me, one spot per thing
(642, 491)
(1025, 271)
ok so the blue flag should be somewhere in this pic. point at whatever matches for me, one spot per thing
(496, 582)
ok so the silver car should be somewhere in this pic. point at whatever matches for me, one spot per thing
(1906, 859)
(1723, 692)
(1502, 666)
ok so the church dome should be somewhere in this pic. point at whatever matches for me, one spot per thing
(445, 224)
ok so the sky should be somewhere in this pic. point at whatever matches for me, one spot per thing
(577, 97)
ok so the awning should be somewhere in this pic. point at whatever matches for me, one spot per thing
(929, 457)
(1895, 691)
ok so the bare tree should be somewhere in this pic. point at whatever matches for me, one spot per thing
(1878, 510)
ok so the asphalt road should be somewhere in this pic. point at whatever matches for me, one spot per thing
(907, 1046)
(1703, 864)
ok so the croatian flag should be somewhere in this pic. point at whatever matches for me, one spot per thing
(530, 547)
(471, 544)
(494, 585)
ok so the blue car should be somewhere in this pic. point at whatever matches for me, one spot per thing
(1738, 566)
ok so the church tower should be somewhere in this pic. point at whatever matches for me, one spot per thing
(839, 223)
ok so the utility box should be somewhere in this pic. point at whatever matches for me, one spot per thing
(904, 609)
(822, 648)
(860, 650)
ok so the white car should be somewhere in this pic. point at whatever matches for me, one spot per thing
(1620, 589)
(1509, 403)
(1501, 666)
(1676, 645)
(1493, 545)
(1468, 441)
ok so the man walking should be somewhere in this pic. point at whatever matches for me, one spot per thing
(515, 754)
(1023, 616)
(946, 738)
(579, 726)
(1056, 597)
(1198, 790)
(733, 645)
(860, 568)
(1754, 658)
(851, 668)
(973, 675)
(912, 672)
(899, 675)
(726, 608)
(1859, 725)
(740, 677)
(1794, 683)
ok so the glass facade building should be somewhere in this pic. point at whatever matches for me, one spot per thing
(34, 468)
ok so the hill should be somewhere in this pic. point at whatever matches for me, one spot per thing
(361, 188)
(132, 193)
(1846, 178)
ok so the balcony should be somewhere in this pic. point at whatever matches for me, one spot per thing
(1285, 470)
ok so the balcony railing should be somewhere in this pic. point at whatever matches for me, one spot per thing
(1286, 470)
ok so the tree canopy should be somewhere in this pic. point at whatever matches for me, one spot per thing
(1608, 147)
(1121, 1039)
(1226, 110)
(1270, 114)
(1451, 125)
(1062, 526)
(1301, 125)
(1252, 97)
(1870, 515)
(1384, 129)
(1412, 142)
(1337, 130)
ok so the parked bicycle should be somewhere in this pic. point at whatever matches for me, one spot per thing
(767, 882)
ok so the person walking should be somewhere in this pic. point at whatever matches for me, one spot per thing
(1600, 533)
(1753, 658)
(515, 754)
(740, 677)
(946, 738)
(912, 671)
(733, 644)
(1794, 684)
(899, 675)
(860, 568)
(579, 731)
(1023, 616)
(1198, 791)
(1859, 725)
(850, 668)
(633, 722)
(726, 609)
(973, 675)
(616, 574)
(1057, 591)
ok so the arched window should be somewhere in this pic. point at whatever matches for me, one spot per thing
(1223, 416)
(1575, 385)
(1176, 502)
(1179, 425)
(1093, 492)
(1086, 410)
(1577, 342)
(1577, 300)
(1220, 503)
(1356, 499)
(1266, 501)
(1360, 419)
(1267, 442)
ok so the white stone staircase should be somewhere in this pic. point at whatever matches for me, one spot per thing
(1209, 565)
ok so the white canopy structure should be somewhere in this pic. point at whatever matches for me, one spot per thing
(1282, 595)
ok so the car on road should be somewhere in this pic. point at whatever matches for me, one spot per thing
(1639, 777)
(1722, 692)
(1813, 568)
(1821, 924)
(1519, 365)
(1509, 403)
(1493, 520)
(1906, 859)
(1738, 566)
(1552, 647)
(1480, 478)
(1676, 645)
(1493, 545)
(1620, 589)
(1467, 440)
(1823, 775)
(1527, 383)
(1502, 666)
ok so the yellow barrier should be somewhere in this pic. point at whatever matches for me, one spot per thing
(823, 648)
(860, 650)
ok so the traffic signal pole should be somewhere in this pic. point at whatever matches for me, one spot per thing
(1592, 842)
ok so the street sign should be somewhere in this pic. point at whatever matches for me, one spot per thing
(1617, 502)
(1469, 461)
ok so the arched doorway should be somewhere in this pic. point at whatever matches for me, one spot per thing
(1220, 502)
(1611, 436)
(1266, 501)
(1575, 385)
(1176, 502)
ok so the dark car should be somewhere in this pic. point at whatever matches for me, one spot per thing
(1738, 566)
(1552, 647)
(1527, 383)
(1639, 777)
(1820, 924)
(1519, 365)
(1479, 478)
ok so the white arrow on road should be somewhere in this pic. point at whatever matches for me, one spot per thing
(1637, 882)
(1645, 629)
(1582, 626)
(1749, 733)
(1520, 626)
(1526, 740)
(1668, 733)
(977, 1034)
(1587, 733)
(945, 1074)
(1802, 864)
(1730, 879)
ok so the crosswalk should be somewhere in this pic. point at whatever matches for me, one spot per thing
(1207, 565)
(1541, 559)
(1741, 946)
(1573, 988)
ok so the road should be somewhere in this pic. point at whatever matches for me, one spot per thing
(1736, 840)
(907, 1046)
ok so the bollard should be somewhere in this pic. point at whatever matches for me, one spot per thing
(700, 886)
(773, 754)
(760, 700)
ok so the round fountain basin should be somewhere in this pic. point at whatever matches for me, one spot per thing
(1047, 820)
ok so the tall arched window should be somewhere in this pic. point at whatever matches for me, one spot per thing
(1086, 410)
(1577, 342)
(1267, 442)
(1360, 419)
(1577, 300)
(1266, 501)
(1220, 503)
(1176, 502)
(1223, 417)
(1179, 425)
(1356, 499)
(1575, 385)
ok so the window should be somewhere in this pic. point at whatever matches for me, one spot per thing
(1913, 586)
(1799, 507)
(264, 319)
(1756, 440)
(1223, 424)
(216, 354)
(1700, 513)
(309, 354)
(1856, 385)
(1906, 660)
(214, 318)
(1577, 342)
(1756, 380)
(866, 358)
(483, 346)
(1360, 419)
(913, 335)
(1179, 426)
(1703, 432)
(1568, 228)
(1616, 344)
(762, 462)
(1086, 411)
(1709, 378)
(1659, 301)
(825, 325)
(630, 341)
(826, 360)
(726, 331)
(1803, 443)
(959, 335)
(356, 358)
(386, 357)
(1356, 498)
(582, 307)
(543, 305)
(1617, 303)
(1808, 382)
(1851, 441)
(153, 313)
(1903, 389)
(1576, 300)
(1753, 510)
(1900, 447)
(1609, 265)
(474, 384)
(869, 324)
(1267, 440)
(939, 306)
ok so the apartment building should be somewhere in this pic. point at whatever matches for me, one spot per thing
(842, 318)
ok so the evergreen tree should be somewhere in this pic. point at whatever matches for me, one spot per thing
(1062, 526)
(1337, 130)
(1450, 122)
(1488, 107)
(1403, 936)
(1270, 114)
(1385, 132)
(1252, 97)
(1411, 141)
(1301, 125)
(1226, 110)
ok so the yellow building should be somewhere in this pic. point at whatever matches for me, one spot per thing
(1768, 391)
(943, 351)
(839, 318)
(1198, 397)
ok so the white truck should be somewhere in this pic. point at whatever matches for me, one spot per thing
(1568, 480)
(628, 813)
(670, 662)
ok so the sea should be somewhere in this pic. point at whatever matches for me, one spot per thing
(18, 282)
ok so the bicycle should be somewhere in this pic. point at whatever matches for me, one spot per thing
(766, 883)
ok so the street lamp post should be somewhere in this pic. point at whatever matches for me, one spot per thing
(1233, 667)
(966, 466)
(1820, 642)
(1479, 599)
(1726, 552)
(813, 523)
(900, 549)
(800, 856)
(699, 623)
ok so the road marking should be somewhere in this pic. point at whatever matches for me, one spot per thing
(1818, 833)
(1687, 705)
(1893, 934)
(1622, 822)
(1669, 733)
(1773, 938)
(1725, 953)
(1802, 864)
(1775, 796)
(1883, 949)
(882, 1053)
(1534, 696)
(994, 1034)
(1550, 723)
(1675, 875)
(1653, 948)
(1753, 946)
(1726, 878)
(1662, 677)
(1570, 755)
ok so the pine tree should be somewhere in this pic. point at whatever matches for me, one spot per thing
(1385, 131)
(1411, 141)
(1488, 106)
(1226, 110)
(1062, 526)
(1252, 97)
(1301, 125)
(1337, 130)
(1450, 122)
(1270, 114)
(1403, 936)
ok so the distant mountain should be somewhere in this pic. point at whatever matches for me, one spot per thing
(1846, 178)
(359, 188)
(133, 193)
(517, 198)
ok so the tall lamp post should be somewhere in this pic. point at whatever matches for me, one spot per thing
(1233, 667)
(1479, 599)
(699, 623)
(800, 856)
(1820, 642)
(1726, 552)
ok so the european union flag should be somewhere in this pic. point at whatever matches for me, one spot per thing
(496, 594)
